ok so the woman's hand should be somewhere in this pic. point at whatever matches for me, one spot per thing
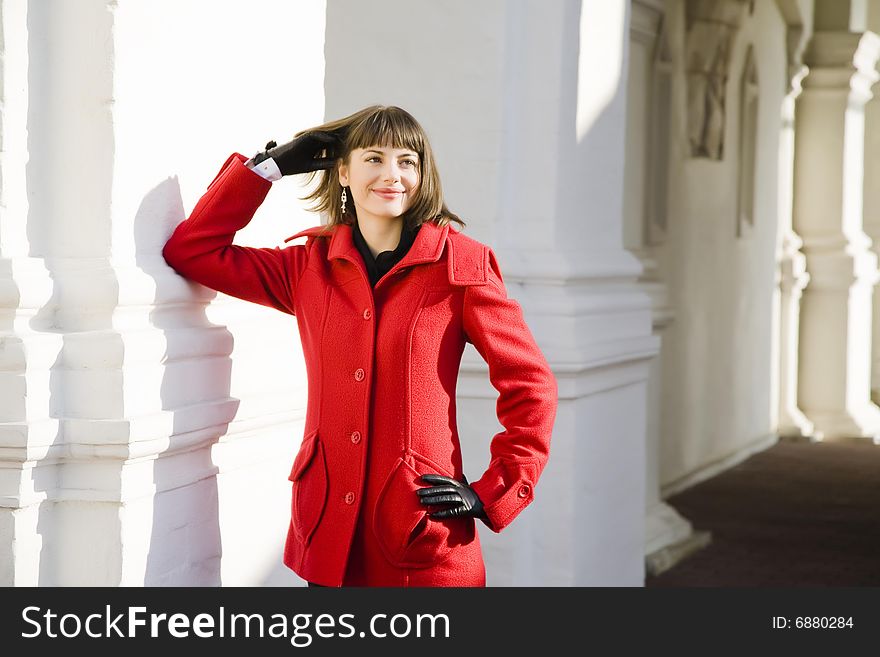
(303, 154)
(460, 498)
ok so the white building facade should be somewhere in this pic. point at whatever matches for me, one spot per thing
(679, 194)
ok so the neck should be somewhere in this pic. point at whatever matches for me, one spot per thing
(380, 233)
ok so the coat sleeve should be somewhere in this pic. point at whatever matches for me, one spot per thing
(201, 248)
(527, 400)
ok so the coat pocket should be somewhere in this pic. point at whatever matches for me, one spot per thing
(309, 477)
(408, 536)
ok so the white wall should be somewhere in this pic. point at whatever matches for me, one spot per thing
(443, 63)
(223, 77)
(717, 396)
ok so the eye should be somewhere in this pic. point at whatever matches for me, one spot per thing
(409, 162)
(373, 157)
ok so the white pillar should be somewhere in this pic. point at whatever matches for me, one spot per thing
(871, 191)
(792, 264)
(29, 435)
(71, 152)
(561, 233)
(836, 314)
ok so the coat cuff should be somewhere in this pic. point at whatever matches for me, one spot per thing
(236, 165)
(505, 489)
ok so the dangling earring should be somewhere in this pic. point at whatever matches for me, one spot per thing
(344, 199)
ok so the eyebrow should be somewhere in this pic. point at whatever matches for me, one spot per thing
(407, 154)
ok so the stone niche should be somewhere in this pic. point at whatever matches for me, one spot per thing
(711, 27)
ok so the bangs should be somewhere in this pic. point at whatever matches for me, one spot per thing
(388, 127)
(380, 126)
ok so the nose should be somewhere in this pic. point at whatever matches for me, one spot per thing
(392, 172)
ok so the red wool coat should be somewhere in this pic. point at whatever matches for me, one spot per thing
(382, 367)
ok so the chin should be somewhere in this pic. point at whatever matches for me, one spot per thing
(385, 213)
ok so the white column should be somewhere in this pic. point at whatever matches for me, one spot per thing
(561, 233)
(871, 192)
(792, 264)
(793, 278)
(836, 310)
(71, 151)
(29, 435)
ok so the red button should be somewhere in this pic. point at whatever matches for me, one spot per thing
(359, 374)
(349, 498)
(368, 313)
(355, 437)
(524, 490)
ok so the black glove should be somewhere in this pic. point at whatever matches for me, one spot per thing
(461, 499)
(302, 154)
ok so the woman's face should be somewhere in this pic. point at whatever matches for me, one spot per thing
(382, 180)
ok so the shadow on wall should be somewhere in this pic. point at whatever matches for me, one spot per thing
(185, 540)
(97, 536)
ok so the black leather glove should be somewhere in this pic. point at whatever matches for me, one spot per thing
(302, 154)
(460, 499)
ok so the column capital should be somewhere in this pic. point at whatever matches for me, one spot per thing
(843, 60)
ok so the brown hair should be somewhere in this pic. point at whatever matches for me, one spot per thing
(384, 126)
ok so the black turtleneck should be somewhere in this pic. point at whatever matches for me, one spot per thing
(383, 262)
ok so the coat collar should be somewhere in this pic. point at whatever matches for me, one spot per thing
(427, 247)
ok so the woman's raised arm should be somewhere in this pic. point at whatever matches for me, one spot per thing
(201, 248)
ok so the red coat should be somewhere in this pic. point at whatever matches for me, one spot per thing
(382, 368)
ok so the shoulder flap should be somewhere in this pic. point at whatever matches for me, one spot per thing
(468, 260)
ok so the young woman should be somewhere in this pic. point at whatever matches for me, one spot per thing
(386, 294)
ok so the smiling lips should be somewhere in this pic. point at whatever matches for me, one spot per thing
(388, 193)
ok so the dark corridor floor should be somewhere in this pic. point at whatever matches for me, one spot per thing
(795, 515)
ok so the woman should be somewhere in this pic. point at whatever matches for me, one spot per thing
(385, 294)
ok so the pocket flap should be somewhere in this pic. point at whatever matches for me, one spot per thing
(304, 456)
